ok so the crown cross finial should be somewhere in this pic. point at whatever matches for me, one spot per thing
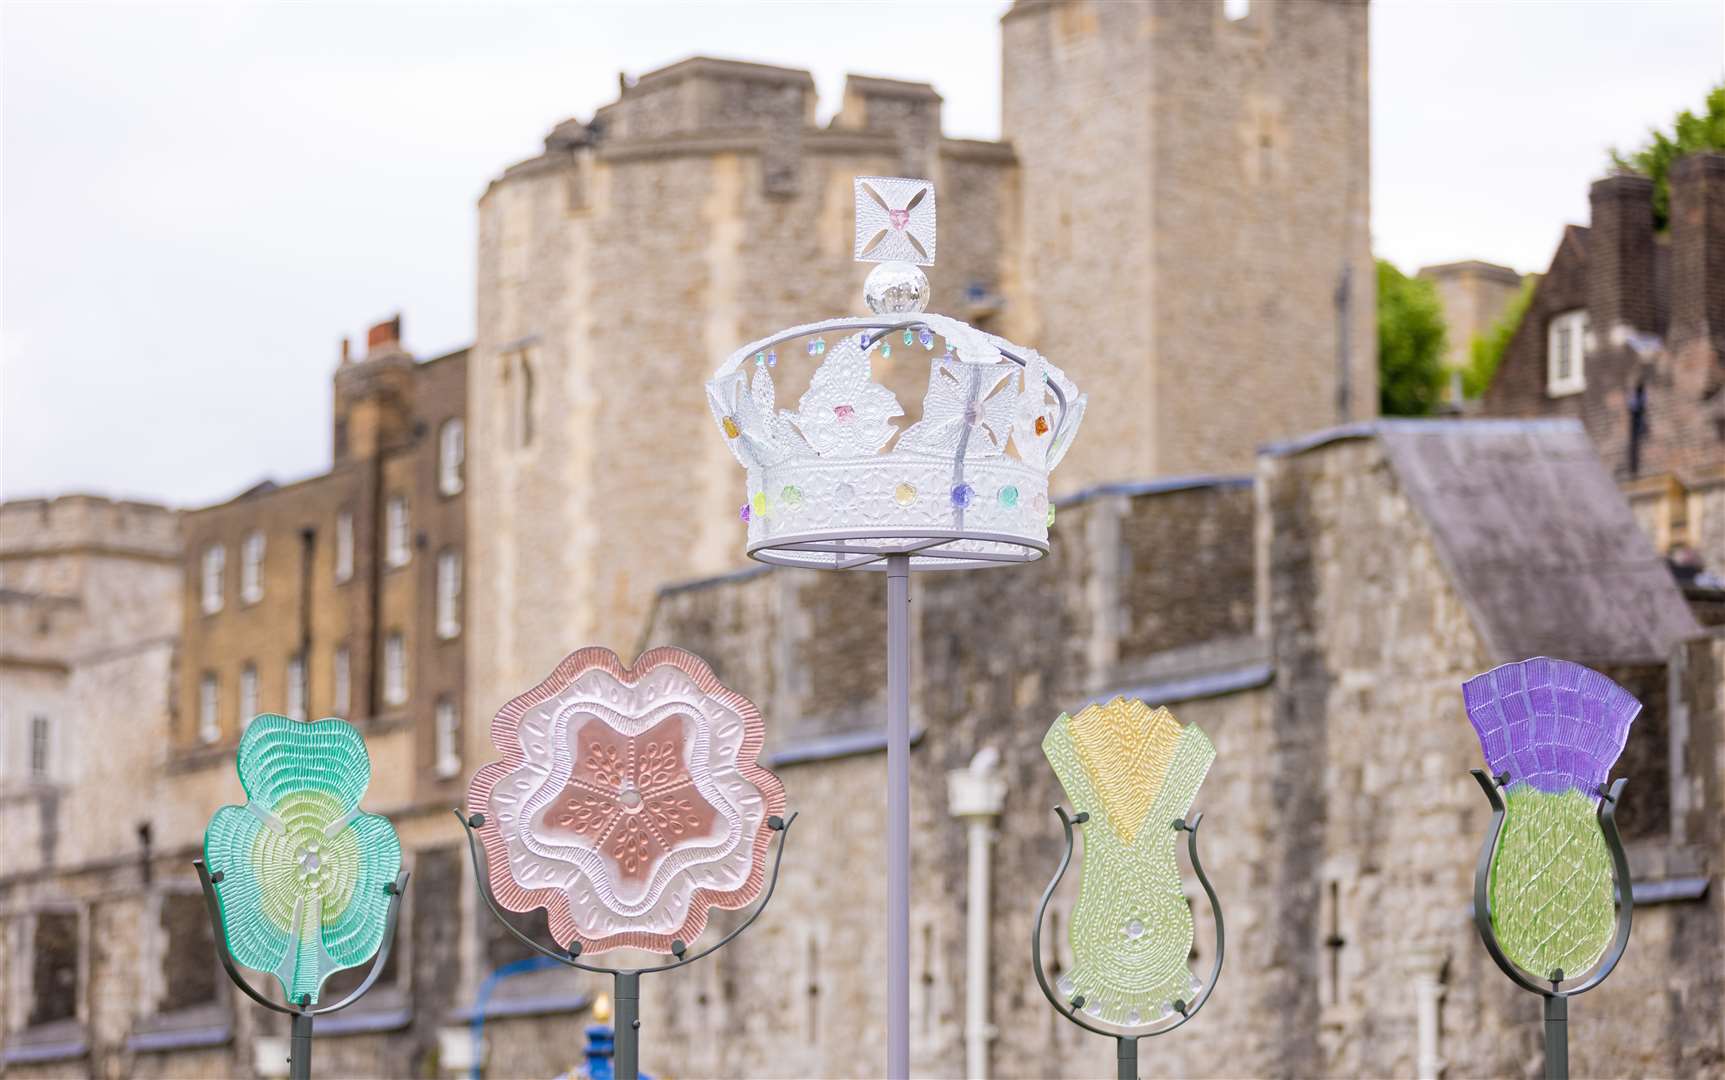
(895, 228)
(895, 220)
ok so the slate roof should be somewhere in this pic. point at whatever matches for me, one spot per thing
(1537, 538)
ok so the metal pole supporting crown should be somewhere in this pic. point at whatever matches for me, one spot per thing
(898, 816)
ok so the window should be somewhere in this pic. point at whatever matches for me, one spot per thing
(209, 725)
(189, 970)
(215, 562)
(518, 395)
(1565, 352)
(451, 455)
(252, 568)
(296, 686)
(341, 681)
(448, 594)
(41, 749)
(394, 670)
(54, 967)
(447, 752)
(343, 547)
(248, 694)
(396, 513)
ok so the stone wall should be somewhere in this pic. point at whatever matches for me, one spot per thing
(1194, 188)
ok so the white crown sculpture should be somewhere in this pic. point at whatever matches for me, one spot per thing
(966, 485)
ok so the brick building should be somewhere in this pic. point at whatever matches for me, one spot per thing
(1626, 332)
(340, 594)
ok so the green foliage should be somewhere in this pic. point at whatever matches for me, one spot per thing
(1488, 348)
(1688, 134)
(1410, 344)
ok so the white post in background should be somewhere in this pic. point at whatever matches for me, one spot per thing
(1425, 968)
(975, 795)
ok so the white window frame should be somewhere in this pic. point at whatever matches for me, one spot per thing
(341, 681)
(449, 594)
(209, 706)
(446, 754)
(39, 753)
(1566, 346)
(451, 456)
(214, 568)
(344, 547)
(395, 669)
(296, 687)
(252, 567)
(397, 528)
(248, 694)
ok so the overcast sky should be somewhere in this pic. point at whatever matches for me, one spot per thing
(200, 201)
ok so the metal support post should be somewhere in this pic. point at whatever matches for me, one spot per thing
(1556, 1037)
(299, 1047)
(626, 1016)
(898, 817)
(1126, 1067)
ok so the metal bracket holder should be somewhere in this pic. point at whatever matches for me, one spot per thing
(625, 982)
(1549, 987)
(1126, 1045)
(302, 1012)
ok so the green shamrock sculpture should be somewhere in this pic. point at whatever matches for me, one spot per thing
(304, 874)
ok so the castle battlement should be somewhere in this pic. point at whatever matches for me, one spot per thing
(71, 524)
(707, 106)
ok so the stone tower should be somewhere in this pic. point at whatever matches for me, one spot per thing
(700, 210)
(1195, 201)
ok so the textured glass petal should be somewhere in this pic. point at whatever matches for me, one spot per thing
(256, 940)
(1134, 771)
(1551, 889)
(353, 921)
(1550, 723)
(304, 874)
(628, 801)
(279, 755)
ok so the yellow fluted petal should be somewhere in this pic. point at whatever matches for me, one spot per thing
(1125, 748)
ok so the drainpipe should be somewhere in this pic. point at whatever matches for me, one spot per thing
(974, 795)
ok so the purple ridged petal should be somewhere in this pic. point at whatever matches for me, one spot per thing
(1551, 723)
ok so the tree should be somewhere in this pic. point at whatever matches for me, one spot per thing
(1487, 349)
(1688, 134)
(1410, 343)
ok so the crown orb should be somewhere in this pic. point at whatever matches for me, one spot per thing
(896, 288)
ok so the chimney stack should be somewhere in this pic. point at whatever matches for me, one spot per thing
(346, 350)
(383, 338)
(1698, 250)
(1620, 257)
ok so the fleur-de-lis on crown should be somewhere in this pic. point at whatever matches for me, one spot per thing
(894, 220)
